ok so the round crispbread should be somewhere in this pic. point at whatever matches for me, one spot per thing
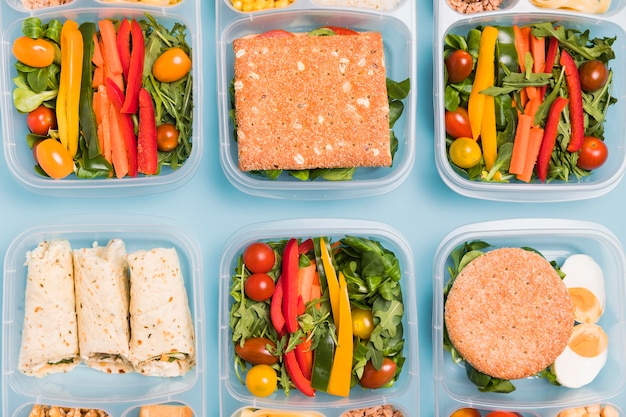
(509, 314)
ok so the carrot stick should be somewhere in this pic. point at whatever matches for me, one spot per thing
(118, 148)
(522, 44)
(534, 143)
(111, 58)
(520, 144)
(97, 59)
(98, 77)
(532, 106)
(538, 50)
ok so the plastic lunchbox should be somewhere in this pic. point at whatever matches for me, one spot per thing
(397, 26)
(521, 12)
(556, 239)
(17, 153)
(82, 387)
(403, 394)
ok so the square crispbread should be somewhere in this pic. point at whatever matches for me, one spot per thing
(311, 102)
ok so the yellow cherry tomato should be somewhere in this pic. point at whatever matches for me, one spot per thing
(261, 380)
(171, 65)
(36, 53)
(466, 412)
(362, 323)
(465, 152)
(54, 158)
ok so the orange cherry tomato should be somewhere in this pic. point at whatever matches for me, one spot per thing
(36, 53)
(171, 65)
(54, 158)
(167, 137)
(466, 412)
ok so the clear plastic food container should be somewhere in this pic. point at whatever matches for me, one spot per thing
(556, 239)
(83, 387)
(399, 39)
(521, 12)
(18, 154)
(403, 394)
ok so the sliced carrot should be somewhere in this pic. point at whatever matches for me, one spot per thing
(97, 59)
(109, 44)
(306, 277)
(538, 50)
(522, 44)
(520, 144)
(534, 144)
(98, 77)
(118, 147)
(105, 138)
(532, 106)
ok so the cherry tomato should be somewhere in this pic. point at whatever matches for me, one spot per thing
(458, 123)
(261, 380)
(502, 414)
(465, 153)
(36, 53)
(259, 287)
(259, 257)
(40, 120)
(466, 412)
(362, 323)
(167, 137)
(171, 65)
(54, 158)
(593, 75)
(276, 33)
(459, 64)
(593, 153)
(375, 378)
(254, 351)
(342, 31)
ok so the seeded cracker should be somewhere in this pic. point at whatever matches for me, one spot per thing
(311, 102)
(509, 314)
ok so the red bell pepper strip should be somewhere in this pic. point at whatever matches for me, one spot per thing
(276, 312)
(553, 46)
(127, 126)
(295, 373)
(290, 285)
(575, 94)
(123, 45)
(549, 137)
(147, 155)
(306, 246)
(135, 70)
(304, 356)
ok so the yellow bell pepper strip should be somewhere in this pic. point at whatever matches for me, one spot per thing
(68, 99)
(289, 277)
(488, 134)
(341, 373)
(484, 77)
(331, 281)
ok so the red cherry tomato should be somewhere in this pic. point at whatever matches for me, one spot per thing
(54, 158)
(167, 137)
(259, 287)
(40, 120)
(276, 33)
(593, 153)
(342, 31)
(459, 64)
(593, 75)
(466, 412)
(375, 378)
(458, 123)
(502, 414)
(259, 257)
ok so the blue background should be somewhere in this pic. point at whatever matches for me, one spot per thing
(423, 208)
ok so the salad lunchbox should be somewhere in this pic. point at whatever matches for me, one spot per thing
(535, 144)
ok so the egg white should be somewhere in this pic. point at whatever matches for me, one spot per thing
(582, 271)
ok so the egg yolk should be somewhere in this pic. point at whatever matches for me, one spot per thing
(586, 305)
(588, 340)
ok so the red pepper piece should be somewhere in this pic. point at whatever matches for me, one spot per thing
(135, 69)
(304, 356)
(147, 161)
(549, 137)
(290, 285)
(296, 375)
(553, 46)
(116, 96)
(306, 246)
(575, 94)
(123, 45)
(276, 312)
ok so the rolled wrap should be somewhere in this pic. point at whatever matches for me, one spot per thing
(49, 334)
(162, 335)
(102, 297)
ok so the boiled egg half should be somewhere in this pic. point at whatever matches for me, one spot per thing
(584, 356)
(584, 281)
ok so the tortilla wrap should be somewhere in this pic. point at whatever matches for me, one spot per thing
(101, 281)
(49, 334)
(162, 335)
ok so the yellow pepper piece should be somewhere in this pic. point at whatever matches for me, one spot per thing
(488, 135)
(69, 85)
(483, 78)
(341, 372)
(331, 280)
